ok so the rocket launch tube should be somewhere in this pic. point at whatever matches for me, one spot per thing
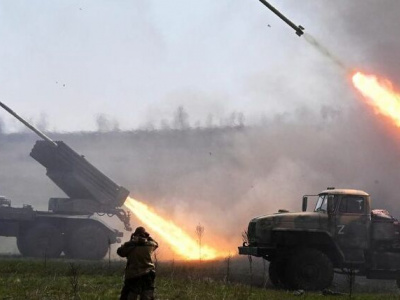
(35, 130)
(299, 29)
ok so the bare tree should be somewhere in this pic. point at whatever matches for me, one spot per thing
(115, 125)
(165, 125)
(351, 278)
(235, 119)
(240, 119)
(228, 267)
(149, 126)
(231, 120)
(210, 121)
(74, 281)
(181, 119)
(199, 232)
(103, 123)
(1, 126)
(172, 269)
(43, 123)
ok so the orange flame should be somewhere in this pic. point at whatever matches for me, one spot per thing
(181, 243)
(380, 94)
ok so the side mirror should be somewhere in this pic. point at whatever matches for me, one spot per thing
(304, 206)
(331, 204)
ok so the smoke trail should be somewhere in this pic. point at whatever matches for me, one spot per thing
(324, 51)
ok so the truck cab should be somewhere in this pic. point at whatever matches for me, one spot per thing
(341, 233)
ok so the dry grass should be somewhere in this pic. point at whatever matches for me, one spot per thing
(62, 279)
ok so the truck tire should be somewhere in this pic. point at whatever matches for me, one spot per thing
(277, 273)
(87, 242)
(309, 269)
(41, 240)
(22, 248)
(398, 282)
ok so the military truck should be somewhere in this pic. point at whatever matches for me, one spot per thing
(342, 235)
(69, 225)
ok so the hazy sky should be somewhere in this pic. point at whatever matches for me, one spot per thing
(136, 61)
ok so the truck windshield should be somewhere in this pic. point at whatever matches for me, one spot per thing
(322, 203)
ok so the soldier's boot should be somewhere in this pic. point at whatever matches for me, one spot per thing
(147, 295)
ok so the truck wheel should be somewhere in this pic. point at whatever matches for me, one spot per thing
(398, 282)
(87, 242)
(310, 269)
(42, 240)
(277, 273)
(21, 245)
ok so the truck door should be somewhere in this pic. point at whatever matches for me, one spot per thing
(352, 226)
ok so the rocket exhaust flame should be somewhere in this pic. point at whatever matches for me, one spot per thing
(380, 94)
(181, 243)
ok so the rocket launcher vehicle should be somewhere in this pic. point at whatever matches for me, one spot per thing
(88, 189)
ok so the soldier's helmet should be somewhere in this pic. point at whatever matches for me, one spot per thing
(140, 232)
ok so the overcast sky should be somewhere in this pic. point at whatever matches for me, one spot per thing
(136, 61)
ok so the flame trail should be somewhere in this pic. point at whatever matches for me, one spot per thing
(180, 242)
(380, 95)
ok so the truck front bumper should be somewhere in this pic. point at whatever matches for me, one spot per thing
(256, 251)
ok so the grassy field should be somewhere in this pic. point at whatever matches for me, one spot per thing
(63, 279)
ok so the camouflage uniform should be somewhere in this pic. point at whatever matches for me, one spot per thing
(140, 269)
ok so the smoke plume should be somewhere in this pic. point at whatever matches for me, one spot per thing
(222, 177)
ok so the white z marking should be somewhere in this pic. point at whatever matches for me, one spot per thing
(341, 229)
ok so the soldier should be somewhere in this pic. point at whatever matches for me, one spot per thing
(140, 270)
